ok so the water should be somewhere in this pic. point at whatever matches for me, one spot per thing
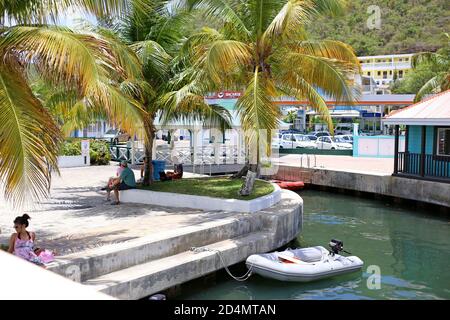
(410, 246)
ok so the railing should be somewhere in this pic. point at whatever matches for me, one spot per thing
(120, 153)
(387, 65)
(227, 154)
(308, 160)
(427, 165)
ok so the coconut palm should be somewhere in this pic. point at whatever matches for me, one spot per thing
(155, 37)
(439, 60)
(261, 48)
(82, 67)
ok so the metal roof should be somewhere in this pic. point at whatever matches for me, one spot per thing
(434, 110)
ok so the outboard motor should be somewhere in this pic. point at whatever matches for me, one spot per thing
(336, 247)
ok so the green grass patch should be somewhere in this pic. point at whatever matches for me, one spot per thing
(217, 187)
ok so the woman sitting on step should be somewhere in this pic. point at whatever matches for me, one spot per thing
(21, 243)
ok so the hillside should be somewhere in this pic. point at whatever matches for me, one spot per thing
(406, 26)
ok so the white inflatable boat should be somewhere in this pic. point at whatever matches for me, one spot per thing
(302, 265)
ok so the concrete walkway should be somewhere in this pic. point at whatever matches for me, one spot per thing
(343, 163)
(77, 217)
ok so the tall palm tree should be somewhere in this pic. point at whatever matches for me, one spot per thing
(83, 67)
(439, 60)
(155, 37)
(261, 48)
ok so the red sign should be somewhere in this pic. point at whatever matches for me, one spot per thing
(225, 95)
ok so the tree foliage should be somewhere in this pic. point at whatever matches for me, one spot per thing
(406, 26)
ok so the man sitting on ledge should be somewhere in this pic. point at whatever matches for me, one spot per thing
(125, 181)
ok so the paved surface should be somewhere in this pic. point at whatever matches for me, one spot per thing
(77, 217)
(343, 163)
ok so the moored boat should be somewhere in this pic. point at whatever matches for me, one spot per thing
(290, 185)
(302, 265)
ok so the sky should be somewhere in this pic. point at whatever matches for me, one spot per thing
(69, 19)
(73, 16)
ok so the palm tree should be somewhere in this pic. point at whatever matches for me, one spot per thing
(439, 60)
(155, 37)
(261, 48)
(290, 117)
(84, 69)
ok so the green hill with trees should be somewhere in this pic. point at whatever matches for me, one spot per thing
(407, 26)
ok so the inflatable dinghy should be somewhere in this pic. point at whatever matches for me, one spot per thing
(302, 265)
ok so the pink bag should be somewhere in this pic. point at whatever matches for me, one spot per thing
(46, 256)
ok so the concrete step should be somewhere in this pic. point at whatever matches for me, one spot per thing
(95, 262)
(148, 278)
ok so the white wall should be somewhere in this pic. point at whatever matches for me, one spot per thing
(23, 280)
(376, 146)
(72, 161)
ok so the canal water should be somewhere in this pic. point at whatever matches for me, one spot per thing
(410, 247)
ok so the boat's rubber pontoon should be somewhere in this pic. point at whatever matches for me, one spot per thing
(302, 265)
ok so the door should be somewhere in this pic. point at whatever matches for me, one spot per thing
(286, 141)
(324, 143)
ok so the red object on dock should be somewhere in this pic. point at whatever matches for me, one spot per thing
(290, 185)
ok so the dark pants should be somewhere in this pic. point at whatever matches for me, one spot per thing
(123, 186)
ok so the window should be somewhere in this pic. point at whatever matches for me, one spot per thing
(384, 74)
(368, 73)
(443, 142)
(379, 73)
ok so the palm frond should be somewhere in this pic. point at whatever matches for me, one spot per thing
(201, 39)
(429, 57)
(330, 7)
(124, 111)
(333, 76)
(431, 86)
(302, 90)
(29, 140)
(225, 56)
(154, 58)
(192, 109)
(123, 54)
(328, 49)
(48, 11)
(256, 109)
(226, 10)
(62, 55)
(290, 20)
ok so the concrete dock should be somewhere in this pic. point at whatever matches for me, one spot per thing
(377, 183)
(134, 250)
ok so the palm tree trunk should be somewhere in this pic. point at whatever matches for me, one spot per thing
(148, 146)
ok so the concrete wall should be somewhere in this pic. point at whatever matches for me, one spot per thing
(137, 268)
(200, 202)
(405, 188)
(72, 161)
(22, 280)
